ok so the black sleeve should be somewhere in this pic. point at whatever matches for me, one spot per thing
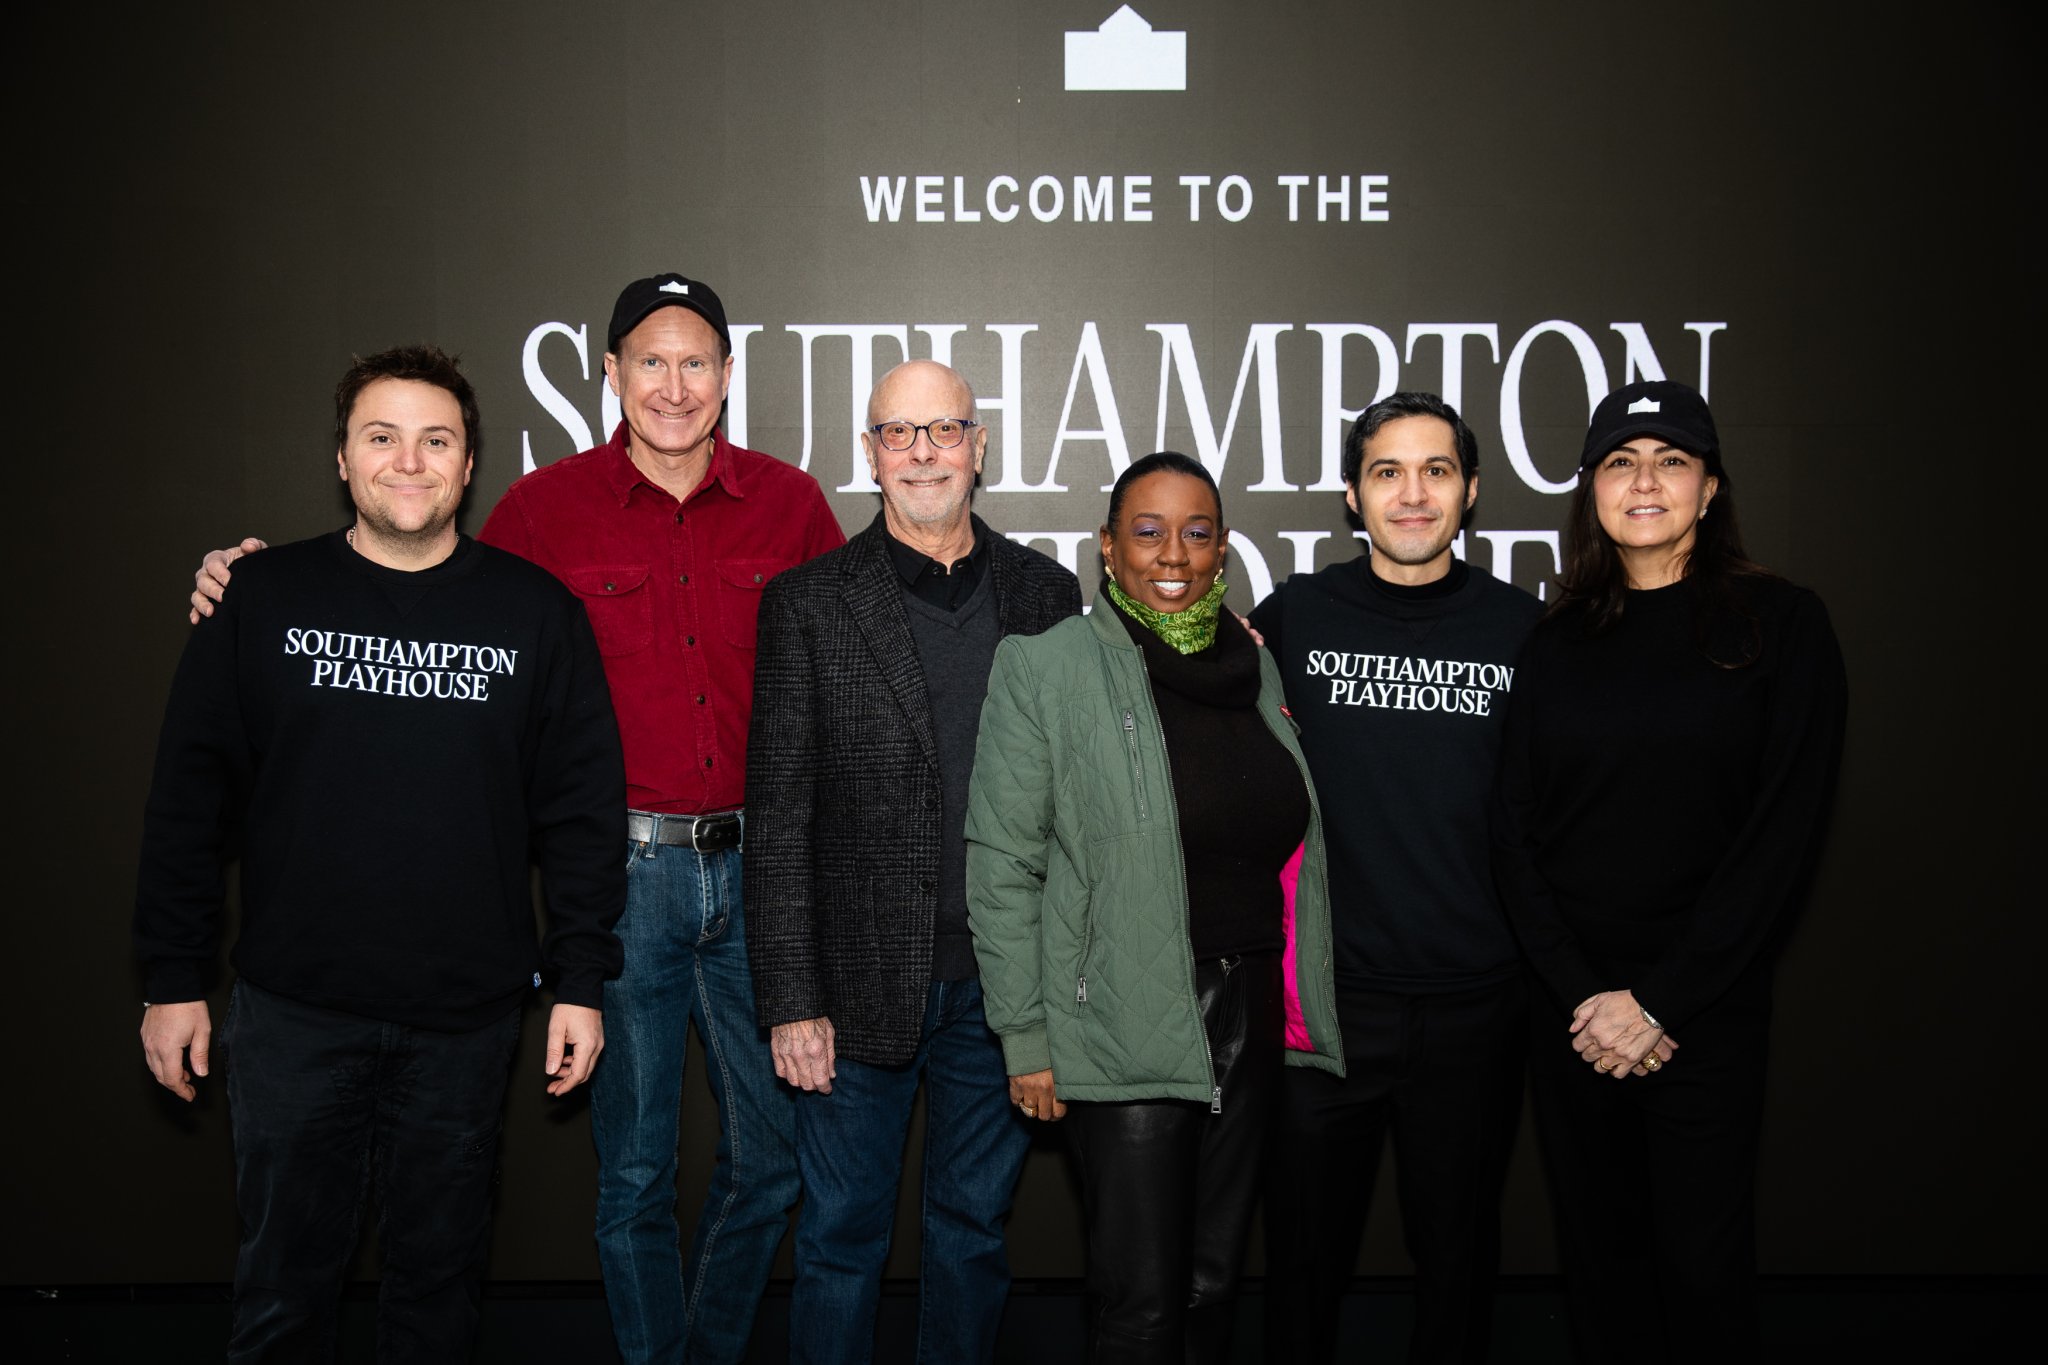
(782, 763)
(203, 772)
(1551, 946)
(576, 807)
(1766, 871)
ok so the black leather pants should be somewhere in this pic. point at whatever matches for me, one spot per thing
(1169, 1185)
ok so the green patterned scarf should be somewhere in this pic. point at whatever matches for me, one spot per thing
(1187, 631)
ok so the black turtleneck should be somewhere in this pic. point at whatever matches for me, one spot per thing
(1243, 805)
(1447, 586)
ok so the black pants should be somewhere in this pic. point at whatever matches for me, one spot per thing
(1443, 1074)
(1168, 1185)
(324, 1106)
(1653, 1186)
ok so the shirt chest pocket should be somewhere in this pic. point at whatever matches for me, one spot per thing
(619, 603)
(740, 582)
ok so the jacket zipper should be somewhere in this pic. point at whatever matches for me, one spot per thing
(1216, 1090)
(1137, 763)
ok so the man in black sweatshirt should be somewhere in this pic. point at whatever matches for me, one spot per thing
(388, 725)
(1397, 667)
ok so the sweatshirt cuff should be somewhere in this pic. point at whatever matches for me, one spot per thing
(174, 982)
(585, 988)
(1027, 1050)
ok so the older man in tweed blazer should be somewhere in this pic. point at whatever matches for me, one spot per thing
(872, 663)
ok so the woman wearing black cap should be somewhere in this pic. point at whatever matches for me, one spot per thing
(1666, 773)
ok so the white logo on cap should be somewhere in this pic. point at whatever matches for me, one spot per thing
(1646, 405)
(675, 287)
(1125, 54)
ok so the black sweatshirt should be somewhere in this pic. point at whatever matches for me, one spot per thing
(391, 752)
(1659, 815)
(1400, 694)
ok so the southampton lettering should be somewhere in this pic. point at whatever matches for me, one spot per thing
(401, 668)
(1400, 682)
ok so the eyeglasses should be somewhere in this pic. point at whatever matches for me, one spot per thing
(945, 433)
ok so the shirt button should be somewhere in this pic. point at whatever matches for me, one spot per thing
(757, 578)
(707, 762)
(610, 586)
(689, 639)
(684, 580)
(924, 884)
(700, 699)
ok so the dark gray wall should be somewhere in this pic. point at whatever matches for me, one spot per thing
(212, 212)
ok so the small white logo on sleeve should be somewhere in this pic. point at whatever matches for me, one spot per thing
(1125, 54)
(536, 980)
(1646, 405)
(675, 287)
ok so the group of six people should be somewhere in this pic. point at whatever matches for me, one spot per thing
(1232, 899)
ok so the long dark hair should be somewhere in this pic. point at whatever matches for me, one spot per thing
(1594, 583)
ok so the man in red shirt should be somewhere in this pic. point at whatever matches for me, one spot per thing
(668, 533)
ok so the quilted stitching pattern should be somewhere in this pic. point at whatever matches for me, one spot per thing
(1074, 871)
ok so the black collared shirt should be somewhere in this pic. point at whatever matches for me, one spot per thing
(945, 588)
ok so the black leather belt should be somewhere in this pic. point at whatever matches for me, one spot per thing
(704, 833)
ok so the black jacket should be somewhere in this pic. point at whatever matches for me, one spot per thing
(843, 789)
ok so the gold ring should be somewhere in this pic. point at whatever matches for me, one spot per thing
(1652, 1062)
(1030, 1112)
(1602, 1067)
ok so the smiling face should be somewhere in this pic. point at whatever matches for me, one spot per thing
(1166, 547)
(926, 491)
(671, 380)
(1412, 494)
(1650, 496)
(405, 461)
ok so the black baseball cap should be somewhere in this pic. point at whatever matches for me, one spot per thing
(1651, 407)
(656, 292)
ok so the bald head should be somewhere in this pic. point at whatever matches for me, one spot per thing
(923, 385)
(926, 487)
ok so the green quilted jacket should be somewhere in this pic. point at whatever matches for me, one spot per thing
(1076, 890)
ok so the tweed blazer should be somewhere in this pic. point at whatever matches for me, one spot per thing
(840, 881)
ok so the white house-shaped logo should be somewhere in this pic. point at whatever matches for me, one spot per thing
(1646, 405)
(1125, 54)
(675, 287)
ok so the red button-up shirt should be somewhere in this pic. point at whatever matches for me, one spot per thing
(672, 589)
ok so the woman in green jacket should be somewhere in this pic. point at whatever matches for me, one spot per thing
(1146, 889)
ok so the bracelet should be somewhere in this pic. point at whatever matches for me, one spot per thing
(1651, 1020)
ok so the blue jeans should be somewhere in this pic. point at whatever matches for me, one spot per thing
(850, 1144)
(326, 1106)
(686, 962)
